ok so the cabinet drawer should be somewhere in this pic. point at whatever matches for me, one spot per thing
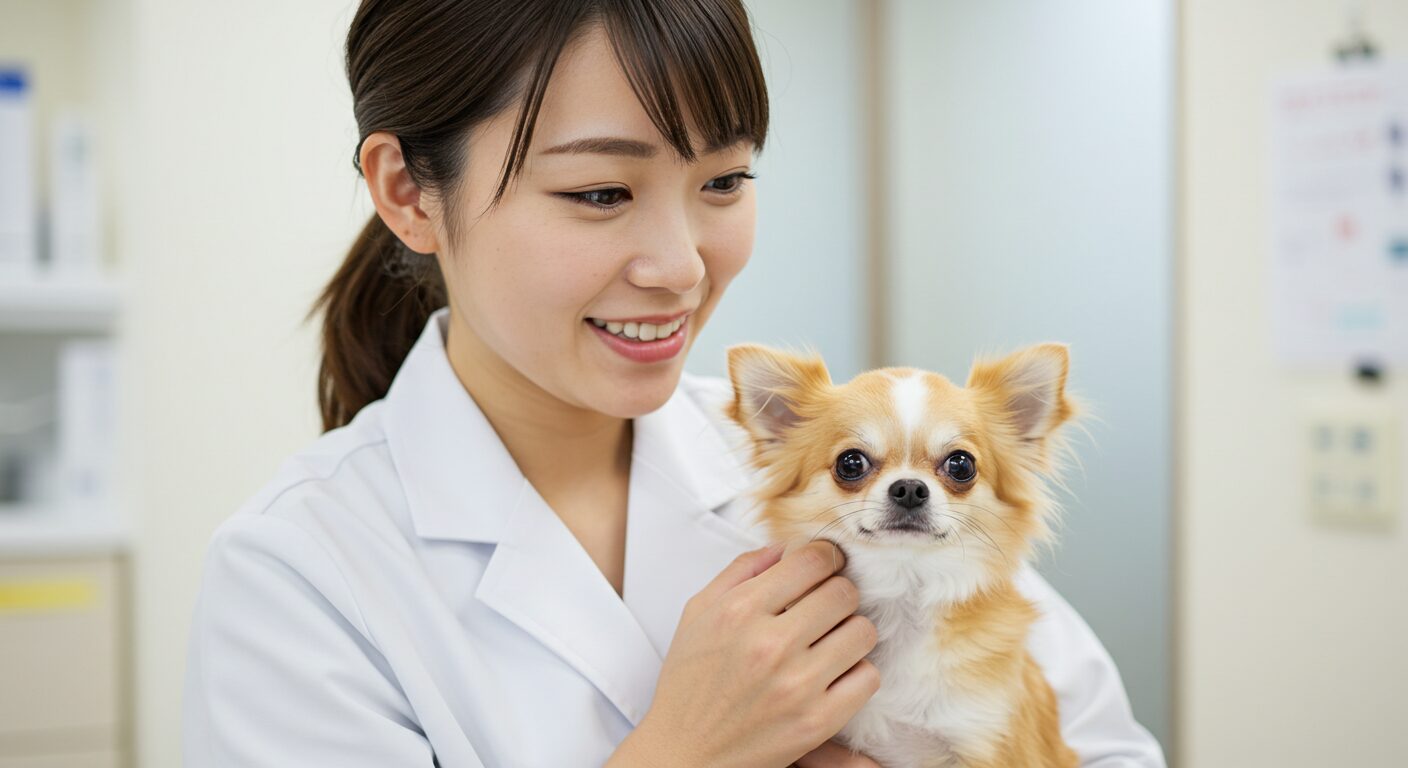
(103, 759)
(60, 645)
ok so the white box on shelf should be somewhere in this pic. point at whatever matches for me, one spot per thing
(86, 414)
(74, 213)
(18, 245)
(21, 464)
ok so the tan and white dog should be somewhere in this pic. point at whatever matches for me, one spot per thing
(937, 494)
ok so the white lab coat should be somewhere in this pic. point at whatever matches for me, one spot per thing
(400, 595)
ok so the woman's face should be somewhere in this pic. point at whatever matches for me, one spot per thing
(621, 232)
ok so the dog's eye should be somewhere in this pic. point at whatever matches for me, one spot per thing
(960, 466)
(852, 465)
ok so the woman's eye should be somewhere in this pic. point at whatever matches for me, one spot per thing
(613, 197)
(960, 466)
(852, 465)
(735, 182)
(604, 199)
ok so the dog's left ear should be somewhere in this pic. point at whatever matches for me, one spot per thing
(1030, 385)
(771, 388)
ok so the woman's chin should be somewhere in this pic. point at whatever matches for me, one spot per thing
(637, 395)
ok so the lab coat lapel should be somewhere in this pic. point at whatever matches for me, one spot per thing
(461, 484)
(681, 473)
(541, 579)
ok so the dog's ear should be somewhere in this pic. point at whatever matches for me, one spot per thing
(771, 388)
(1030, 388)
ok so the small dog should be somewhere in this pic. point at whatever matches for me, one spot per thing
(937, 494)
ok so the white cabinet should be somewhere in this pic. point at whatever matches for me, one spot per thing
(62, 659)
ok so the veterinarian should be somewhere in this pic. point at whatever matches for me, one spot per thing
(522, 539)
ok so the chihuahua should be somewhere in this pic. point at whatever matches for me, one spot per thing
(937, 494)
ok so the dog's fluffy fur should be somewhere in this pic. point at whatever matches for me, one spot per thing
(958, 686)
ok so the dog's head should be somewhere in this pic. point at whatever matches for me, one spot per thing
(902, 468)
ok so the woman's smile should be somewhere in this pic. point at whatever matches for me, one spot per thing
(639, 339)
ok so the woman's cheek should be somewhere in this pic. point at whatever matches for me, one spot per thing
(733, 247)
(726, 265)
(555, 268)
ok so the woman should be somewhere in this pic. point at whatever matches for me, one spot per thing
(521, 540)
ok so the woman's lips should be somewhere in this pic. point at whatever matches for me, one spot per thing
(653, 319)
(644, 351)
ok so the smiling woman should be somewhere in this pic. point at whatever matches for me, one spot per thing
(623, 105)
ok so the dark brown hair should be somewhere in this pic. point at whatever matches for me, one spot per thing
(429, 71)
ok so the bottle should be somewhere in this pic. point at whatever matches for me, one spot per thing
(18, 247)
(73, 200)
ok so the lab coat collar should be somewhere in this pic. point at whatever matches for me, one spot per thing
(462, 484)
(460, 481)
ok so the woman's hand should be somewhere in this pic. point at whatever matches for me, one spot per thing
(762, 668)
(832, 755)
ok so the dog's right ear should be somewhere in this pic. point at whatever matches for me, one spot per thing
(1030, 386)
(771, 389)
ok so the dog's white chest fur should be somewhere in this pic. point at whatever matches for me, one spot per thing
(917, 717)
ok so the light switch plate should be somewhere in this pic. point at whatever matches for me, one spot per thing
(1353, 468)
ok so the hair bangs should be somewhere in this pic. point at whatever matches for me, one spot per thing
(700, 53)
(681, 57)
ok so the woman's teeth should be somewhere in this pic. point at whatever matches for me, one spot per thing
(640, 331)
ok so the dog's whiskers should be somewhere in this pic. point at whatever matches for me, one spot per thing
(981, 508)
(842, 504)
(978, 529)
(839, 519)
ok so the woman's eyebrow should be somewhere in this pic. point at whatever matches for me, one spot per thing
(613, 145)
(604, 145)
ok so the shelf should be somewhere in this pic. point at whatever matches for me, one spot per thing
(53, 303)
(34, 531)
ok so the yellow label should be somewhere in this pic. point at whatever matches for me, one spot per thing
(50, 595)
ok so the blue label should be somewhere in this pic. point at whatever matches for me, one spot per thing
(1398, 250)
(12, 81)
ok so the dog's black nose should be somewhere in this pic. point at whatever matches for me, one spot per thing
(909, 493)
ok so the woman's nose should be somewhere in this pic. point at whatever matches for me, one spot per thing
(670, 260)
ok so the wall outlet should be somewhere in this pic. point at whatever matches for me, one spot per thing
(1353, 469)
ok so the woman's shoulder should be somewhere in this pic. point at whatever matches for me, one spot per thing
(338, 457)
(284, 606)
(340, 483)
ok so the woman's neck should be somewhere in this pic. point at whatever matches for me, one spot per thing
(555, 444)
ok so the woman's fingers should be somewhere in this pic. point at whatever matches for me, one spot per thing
(744, 567)
(832, 755)
(822, 609)
(844, 646)
(849, 692)
(800, 570)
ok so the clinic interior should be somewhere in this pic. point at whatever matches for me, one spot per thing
(1204, 199)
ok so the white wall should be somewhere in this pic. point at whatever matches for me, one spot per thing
(1029, 195)
(1292, 637)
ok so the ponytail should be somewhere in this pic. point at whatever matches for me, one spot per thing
(375, 308)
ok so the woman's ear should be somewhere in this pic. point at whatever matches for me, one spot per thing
(1030, 387)
(770, 387)
(397, 198)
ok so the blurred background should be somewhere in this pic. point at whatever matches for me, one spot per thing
(1204, 198)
